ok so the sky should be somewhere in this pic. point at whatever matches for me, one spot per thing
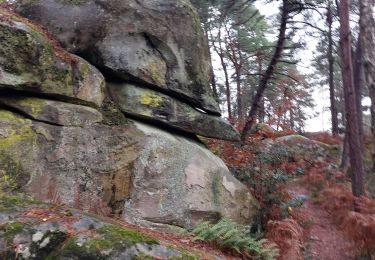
(321, 122)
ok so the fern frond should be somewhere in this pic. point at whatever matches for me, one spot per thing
(230, 235)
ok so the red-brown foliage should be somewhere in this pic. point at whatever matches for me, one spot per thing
(233, 154)
(356, 216)
(326, 138)
(288, 235)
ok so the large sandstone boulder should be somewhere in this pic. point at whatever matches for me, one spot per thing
(30, 62)
(158, 43)
(136, 172)
(63, 140)
(202, 185)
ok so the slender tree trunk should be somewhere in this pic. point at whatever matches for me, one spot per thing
(345, 155)
(358, 82)
(262, 111)
(235, 58)
(220, 52)
(367, 36)
(331, 60)
(212, 72)
(262, 108)
(227, 87)
(291, 118)
(355, 152)
(239, 95)
(263, 84)
(357, 65)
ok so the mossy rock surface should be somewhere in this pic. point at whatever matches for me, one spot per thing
(114, 170)
(52, 111)
(32, 62)
(34, 230)
(153, 106)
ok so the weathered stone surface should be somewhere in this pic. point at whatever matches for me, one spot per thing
(29, 61)
(54, 112)
(95, 160)
(303, 147)
(185, 183)
(158, 42)
(33, 230)
(154, 106)
(297, 147)
(137, 172)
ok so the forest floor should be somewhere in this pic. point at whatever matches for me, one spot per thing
(322, 238)
(330, 224)
(308, 207)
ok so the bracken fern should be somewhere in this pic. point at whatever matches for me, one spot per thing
(230, 235)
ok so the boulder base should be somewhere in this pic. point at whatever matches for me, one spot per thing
(138, 172)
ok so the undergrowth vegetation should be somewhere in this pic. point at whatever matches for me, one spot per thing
(263, 166)
(228, 235)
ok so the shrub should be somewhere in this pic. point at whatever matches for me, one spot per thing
(230, 235)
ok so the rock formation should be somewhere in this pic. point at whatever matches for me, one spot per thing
(67, 135)
(152, 44)
(42, 231)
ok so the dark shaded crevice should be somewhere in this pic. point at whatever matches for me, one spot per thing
(115, 77)
(124, 77)
(165, 53)
(25, 115)
(6, 91)
(164, 127)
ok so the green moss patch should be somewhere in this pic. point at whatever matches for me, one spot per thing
(112, 115)
(115, 234)
(184, 254)
(8, 202)
(12, 229)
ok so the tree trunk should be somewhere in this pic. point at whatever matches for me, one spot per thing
(227, 88)
(239, 95)
(212, 72)
(358, 82)
(220, 52)
(367, 36)
(345, 154)
(291, 118)
(262, 107)
(331, 60)
(251, 118)
(234, 55)
(355, 152)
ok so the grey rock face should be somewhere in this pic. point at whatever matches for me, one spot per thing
(138, 172)
(29, 61)
(53, 112)
(158, 43)
(32, 230)
(62, 140)
(203, 187)
(154, 106)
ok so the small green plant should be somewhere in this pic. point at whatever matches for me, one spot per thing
(293, 203)
(230, 235)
